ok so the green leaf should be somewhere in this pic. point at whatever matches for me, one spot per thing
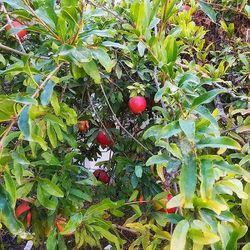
(7, 216)
(44, 200)
(178, 240)
(10, 137)
(171, 49)
(73, 223)
(158, 159)
(80, 194)
(47, 93)
(246, 247)
(104, 59)
(245, 205)
(207, 179)
(55, 103)
(10, 187)
(27, 100)
(92, 70)
(24, 190)
(115, 45)
(52, 240)
(51, 159)
(188, 127)
(109, 236)
(220, 142)
(52, 135)
(138, 171)
(50, 187)
(152, 131)
(169, 130)
(206, 98)
(24, 122)
(208, 10)
(188, 181)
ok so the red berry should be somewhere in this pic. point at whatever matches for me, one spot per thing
(101, 175)
(173, 209)
(21, 34)
(103, 139)
(137, 104)
(185, 7)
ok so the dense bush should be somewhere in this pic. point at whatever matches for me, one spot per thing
(178, 174)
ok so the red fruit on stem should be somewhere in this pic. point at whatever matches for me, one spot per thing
(28, 218)
(22, 208)
(101, 175)
(185, 7)
(22, 33)
(137, 104)
(171, 210)
(103, 139)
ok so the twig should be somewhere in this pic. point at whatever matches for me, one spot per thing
(4, 27)
(119, 123)
(11, 25)
(99, 118)
(42, 22)
(79, 26)
(125, 229)
(4, 47)
(108, 10)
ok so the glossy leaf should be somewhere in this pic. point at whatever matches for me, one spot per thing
(178, 240)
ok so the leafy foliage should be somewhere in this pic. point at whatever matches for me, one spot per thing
(82, 61)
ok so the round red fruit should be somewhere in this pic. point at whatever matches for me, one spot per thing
(22, 33)
(101, 175)
(171, 210)
(137, 104)
(103, 139)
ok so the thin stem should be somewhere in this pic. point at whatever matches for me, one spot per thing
(119, 123)
(4, 47)
(11, 25)
(42, 22)
(99, 118)
(125, 229)
(80, 26)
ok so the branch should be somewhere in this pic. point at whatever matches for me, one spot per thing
(4, 47)
(119, 123)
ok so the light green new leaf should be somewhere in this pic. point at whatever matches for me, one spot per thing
(178, 240)
(245, 205)
(24, 190)
(207, 179)
(220, 142)
(51, 188)
(104, 59)
(188, 181)
(92, 70)
(10, 187)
